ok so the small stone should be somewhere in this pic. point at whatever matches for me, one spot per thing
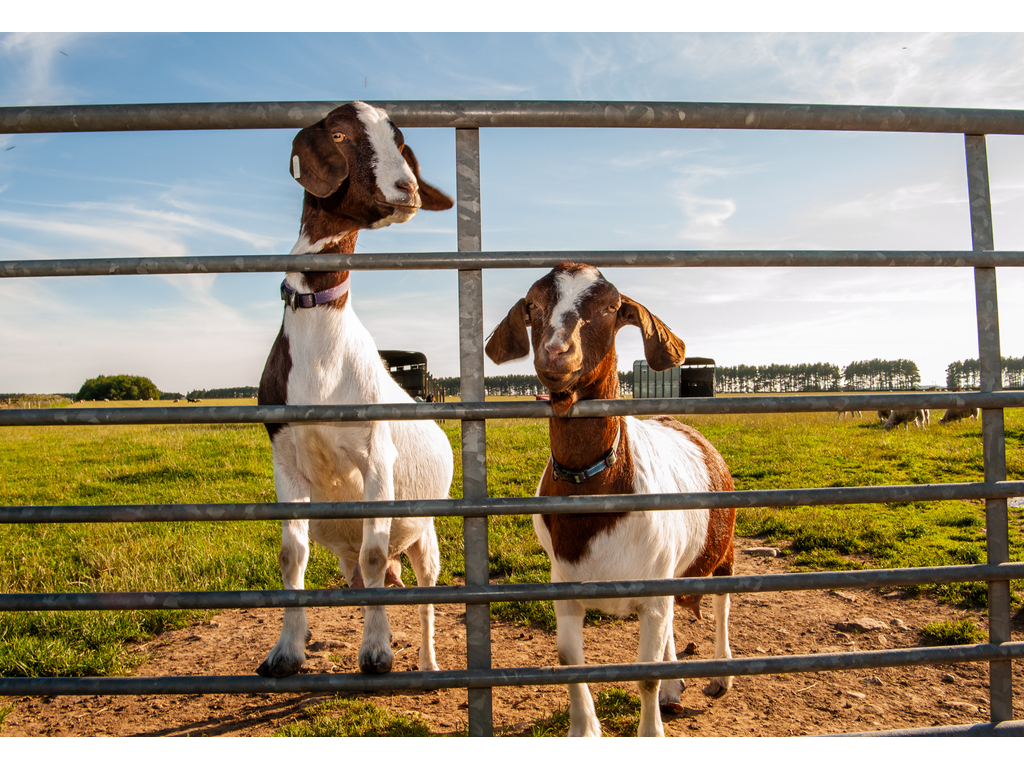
(863, 624)
(856, 695)
(761, 552)
(899, 593)
(883, 640)
(690, 649)
(949, 678)
(898, 623)
(874, 680)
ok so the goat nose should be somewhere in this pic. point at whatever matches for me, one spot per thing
(557, 347)
(408, 187)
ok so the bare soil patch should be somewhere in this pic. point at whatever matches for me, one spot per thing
(234, 643)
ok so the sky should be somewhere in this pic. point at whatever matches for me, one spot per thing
(202, 193)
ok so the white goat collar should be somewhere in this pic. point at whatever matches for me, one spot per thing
(297, 300)
(558, 472)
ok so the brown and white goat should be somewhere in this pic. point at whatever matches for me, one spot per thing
(358, 174)
(574, 314)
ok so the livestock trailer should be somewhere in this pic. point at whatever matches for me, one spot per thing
(694, 378)
(409, 369)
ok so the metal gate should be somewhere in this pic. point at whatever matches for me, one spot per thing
(466, 118)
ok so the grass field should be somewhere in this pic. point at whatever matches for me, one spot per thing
(232, 463)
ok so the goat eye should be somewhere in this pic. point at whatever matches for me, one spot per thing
(339, 137)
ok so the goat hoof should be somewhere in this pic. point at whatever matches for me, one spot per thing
(278, 668)
(309, 635)
(672, 708)
(715, 690)
(372, 664)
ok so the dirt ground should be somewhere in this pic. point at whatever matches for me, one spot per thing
(234, 642)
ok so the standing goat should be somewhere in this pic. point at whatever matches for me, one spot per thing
(358, 174)
(574, 314)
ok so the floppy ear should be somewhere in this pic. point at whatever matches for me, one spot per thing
(662, 348)
(316, 162)
(509, 341)
(431, 198)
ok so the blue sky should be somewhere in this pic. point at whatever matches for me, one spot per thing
(221, 192)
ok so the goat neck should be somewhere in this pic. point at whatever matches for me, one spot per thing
(343, 242)
(578, 443)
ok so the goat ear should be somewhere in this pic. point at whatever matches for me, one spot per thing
(662, 348)
(431, 198)
(510, 341)
(316, 162)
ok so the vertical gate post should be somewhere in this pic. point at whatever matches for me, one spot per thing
(474, 432)
(993, 436)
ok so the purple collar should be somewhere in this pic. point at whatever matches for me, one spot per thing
(297, 300)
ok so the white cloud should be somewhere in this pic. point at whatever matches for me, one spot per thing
(706, 217)
(30, 73)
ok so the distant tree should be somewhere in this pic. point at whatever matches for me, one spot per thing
(120, 387)
(804, 377)
(881, 375)
(966, 374)
(224, 393)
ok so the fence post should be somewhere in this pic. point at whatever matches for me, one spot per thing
(992, 435)
(474, 432)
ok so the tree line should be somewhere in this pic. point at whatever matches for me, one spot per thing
(521, 385)
(818, 377)
(966, 374)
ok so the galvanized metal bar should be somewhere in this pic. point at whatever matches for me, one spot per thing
(508, 676)
(247, 264)
(993, 434)
(530, 505)
(475, 410)
(474, 431)
(484, 594)
(515, 114)
(1005, 728)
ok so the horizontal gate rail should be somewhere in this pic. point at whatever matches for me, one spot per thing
(467, 117)
(495, 593)
(173, 265)
(528, 505)
(739, 404)
(521, 676)
(515, 114)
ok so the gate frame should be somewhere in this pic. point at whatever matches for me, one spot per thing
(467, 117)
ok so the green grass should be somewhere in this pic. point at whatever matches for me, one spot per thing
(618, 711)
(203, 464)
(352, 717)
(962, 632)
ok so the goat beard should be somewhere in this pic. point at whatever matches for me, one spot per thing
(561, 402)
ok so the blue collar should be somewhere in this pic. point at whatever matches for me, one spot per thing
(297, 300)
(558, 472)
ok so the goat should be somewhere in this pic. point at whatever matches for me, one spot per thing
(357, 174)
(917, 417)
(574, 314)
(955, 414)
(853, 414)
